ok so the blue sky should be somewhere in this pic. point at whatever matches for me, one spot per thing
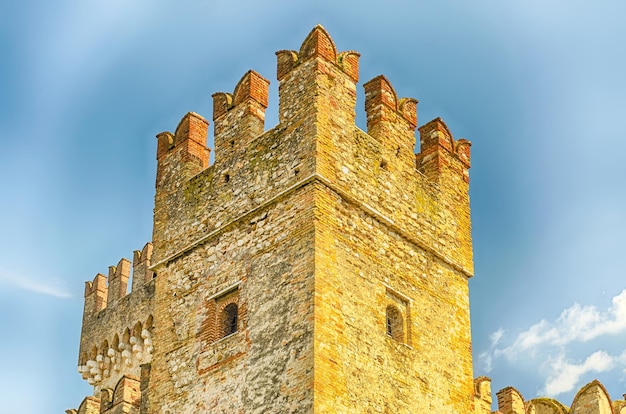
(538, 86)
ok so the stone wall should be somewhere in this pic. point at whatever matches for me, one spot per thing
(315, 232)
(116, 336)
(590, 399)
(314, 267)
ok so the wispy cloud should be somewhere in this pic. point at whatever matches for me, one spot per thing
(575, 324)
(50, 287)
(486, 357)
(496, 336)
(549, 340)
(566, 376)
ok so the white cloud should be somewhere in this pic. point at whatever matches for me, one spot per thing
(552, 348)
(575, 324)
(486, 358)
(496, 336)
(48, 287)
(566, 376)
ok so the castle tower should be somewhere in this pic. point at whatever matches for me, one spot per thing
(314, 267)
(116, 337)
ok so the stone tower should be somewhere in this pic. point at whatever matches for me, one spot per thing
(312, 268)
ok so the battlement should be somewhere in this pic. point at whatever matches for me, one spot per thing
(440, 150)
(390, 120)
(239, 117)
(318, 43)
(190, 137)
(125, 398)
(317, 98)
(105, 291)
(310, 85)
(592, 398)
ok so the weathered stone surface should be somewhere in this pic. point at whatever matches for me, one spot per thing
(590, 399)
(116, 335)
(313, 268)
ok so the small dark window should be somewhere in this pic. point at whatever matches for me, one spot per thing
(230, 319)
(394, 323)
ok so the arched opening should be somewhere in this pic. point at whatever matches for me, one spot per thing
(137, 330)
(135, 339)
(230, 319)
(116, 343)
(125, 342)
(106, 360)
(148, 324)
(395, 324)
(94, 353)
